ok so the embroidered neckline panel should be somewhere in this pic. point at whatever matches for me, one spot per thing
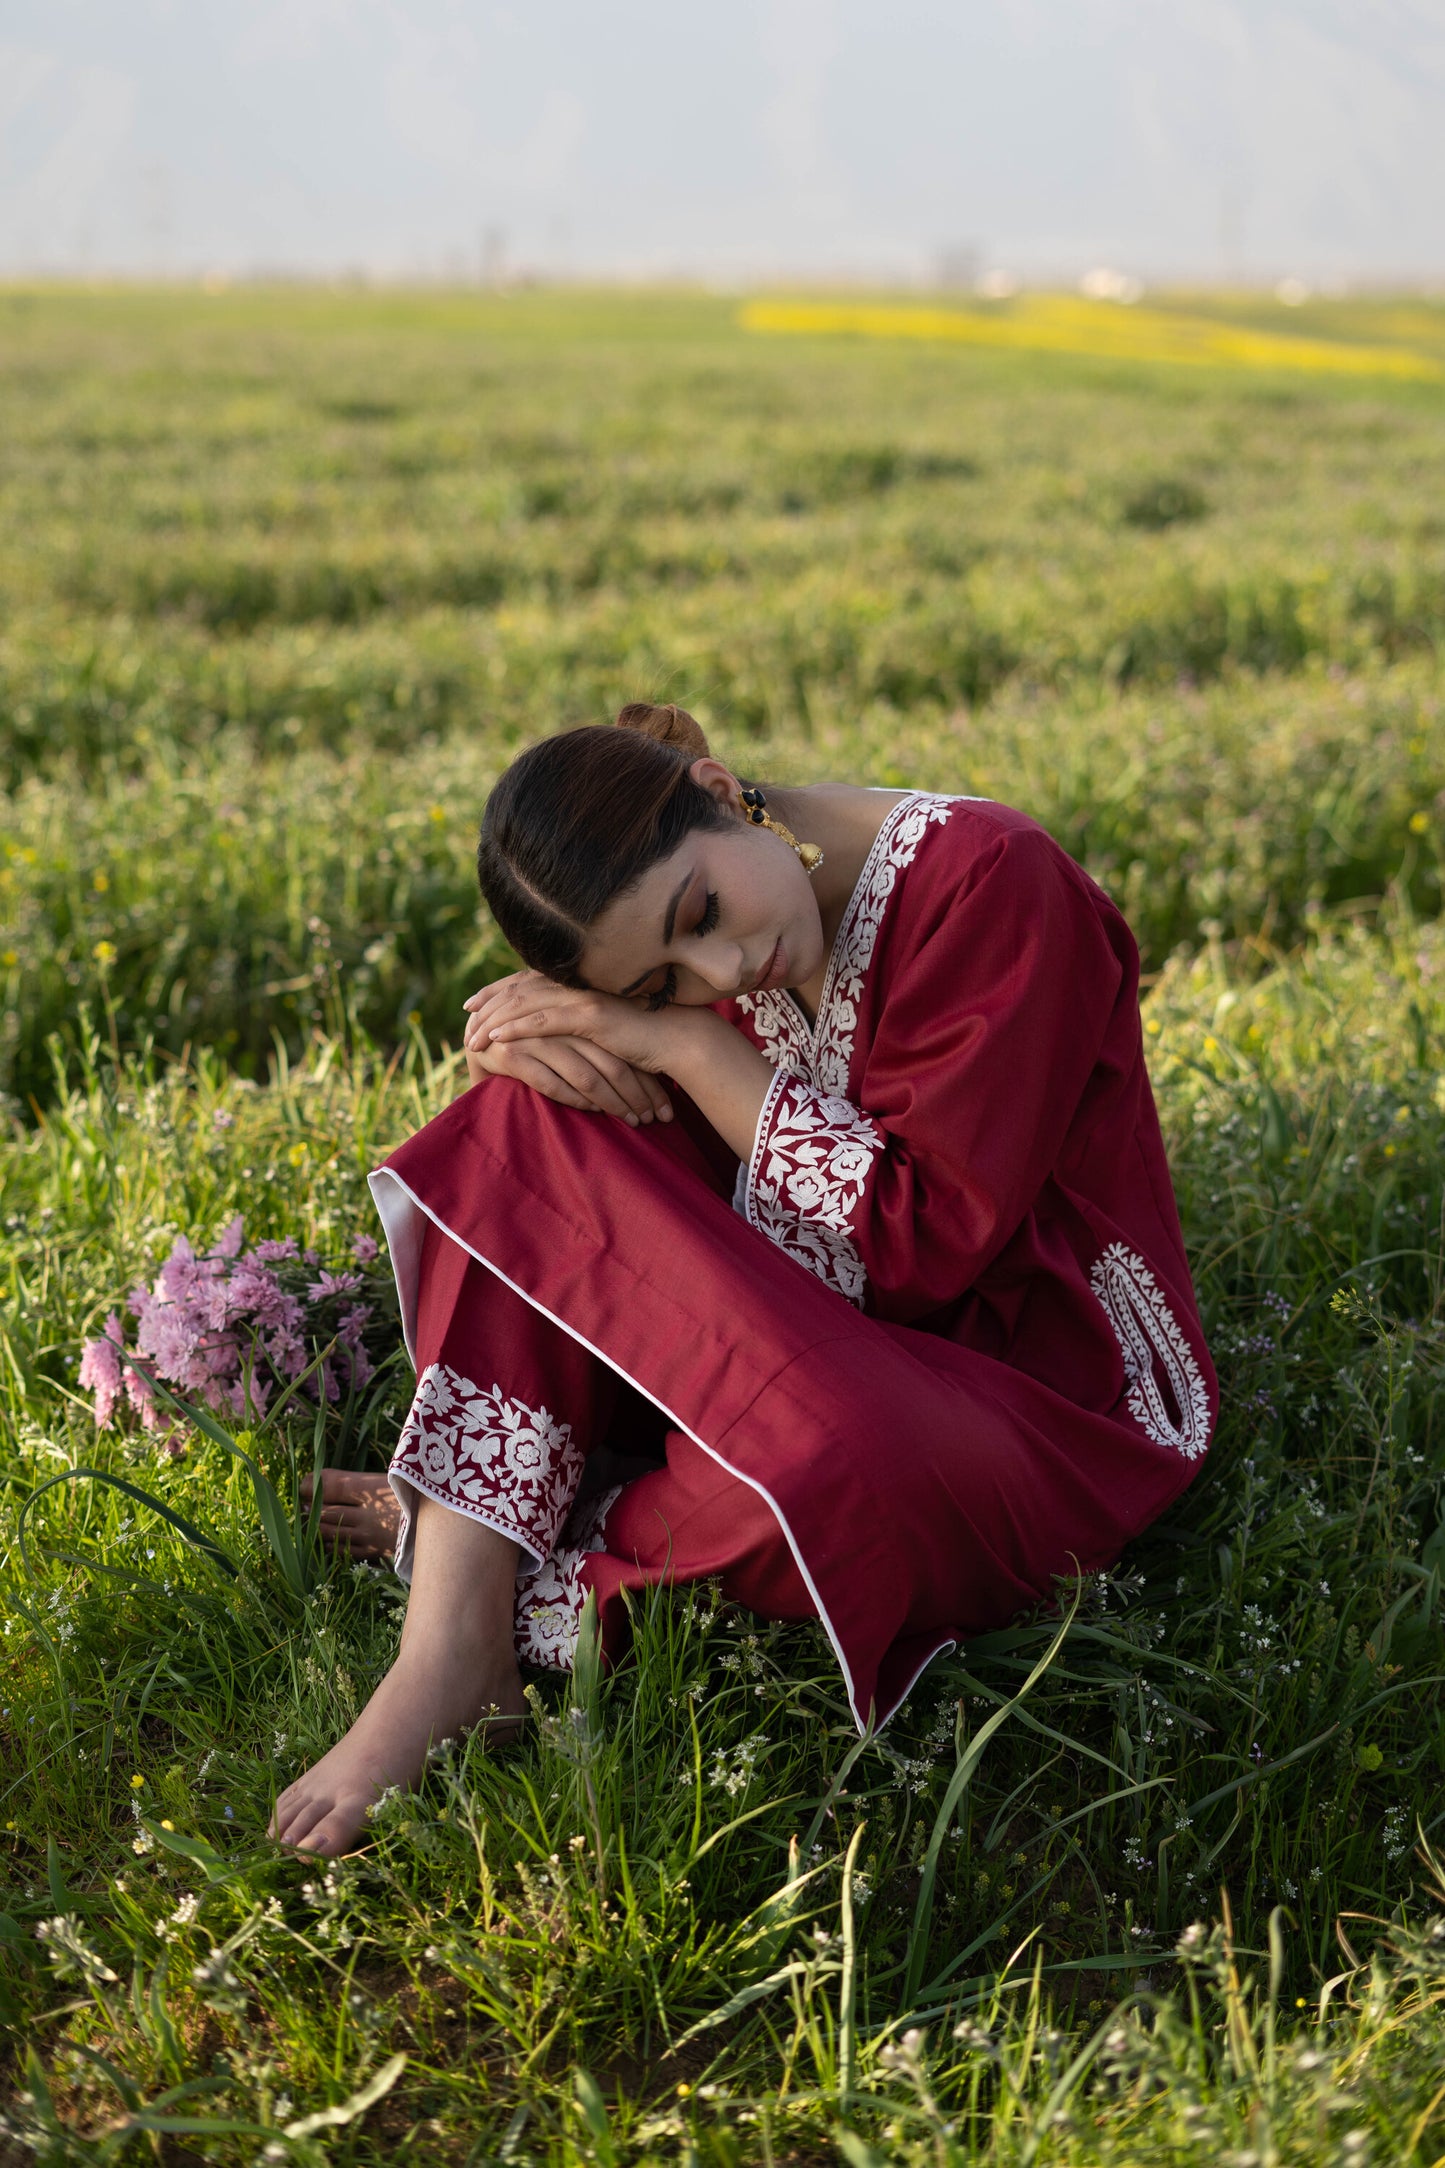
(822, 1053)
(814, 1150)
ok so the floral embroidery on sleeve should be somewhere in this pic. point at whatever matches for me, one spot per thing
(812, 1159)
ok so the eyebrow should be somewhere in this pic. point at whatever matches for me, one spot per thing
(667, 925)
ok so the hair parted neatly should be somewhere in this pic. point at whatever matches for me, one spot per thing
(577, 820)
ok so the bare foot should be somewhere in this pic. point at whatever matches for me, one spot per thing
(423, 1698)
(359, 1513)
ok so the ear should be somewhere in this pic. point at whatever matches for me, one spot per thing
(718, 781)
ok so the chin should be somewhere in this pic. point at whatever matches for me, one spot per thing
(808, 969)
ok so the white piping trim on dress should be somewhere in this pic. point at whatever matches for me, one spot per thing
(945, 1647)
(381, 1174)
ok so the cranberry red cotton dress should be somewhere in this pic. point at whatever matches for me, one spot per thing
(935, 1343)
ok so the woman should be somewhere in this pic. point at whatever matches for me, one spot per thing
(877, 1263)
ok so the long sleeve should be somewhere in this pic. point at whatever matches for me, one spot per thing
(994, 1017)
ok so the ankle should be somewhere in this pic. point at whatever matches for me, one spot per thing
(461, 1682)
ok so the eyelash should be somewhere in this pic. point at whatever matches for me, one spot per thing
(667, 992)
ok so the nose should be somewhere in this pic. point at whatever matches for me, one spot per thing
(721, 965)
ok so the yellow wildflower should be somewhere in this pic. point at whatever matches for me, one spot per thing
(136, 1783)
(297, 1154)
(1066, 324)
(9, 959)
(1419, 822)
(100, 882)
(104, 953)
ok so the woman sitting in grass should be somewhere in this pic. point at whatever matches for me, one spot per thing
(874, 1278)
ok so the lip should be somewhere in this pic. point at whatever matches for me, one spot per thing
(773, 971)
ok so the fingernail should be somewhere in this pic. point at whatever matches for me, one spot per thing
(632, 1121)
(647, 1117)
(666, 1113)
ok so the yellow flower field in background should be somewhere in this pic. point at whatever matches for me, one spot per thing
(1061, 324)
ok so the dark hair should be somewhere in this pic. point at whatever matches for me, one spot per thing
(576, 821)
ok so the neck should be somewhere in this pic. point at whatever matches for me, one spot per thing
(844, 820)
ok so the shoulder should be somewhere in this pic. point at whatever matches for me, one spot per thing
(979, 871)
(969, 840)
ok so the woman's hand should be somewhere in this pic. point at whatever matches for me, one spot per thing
(530, 1007)
(528, 1018)
(565, 1067)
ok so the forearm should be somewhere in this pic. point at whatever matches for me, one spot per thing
(721, 1072)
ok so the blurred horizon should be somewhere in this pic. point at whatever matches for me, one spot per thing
(1238, 143)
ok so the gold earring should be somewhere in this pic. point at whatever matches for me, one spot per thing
(755, 809)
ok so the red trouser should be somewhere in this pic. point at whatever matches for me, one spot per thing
(508, 1410)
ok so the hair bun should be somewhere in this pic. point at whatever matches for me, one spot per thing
(672, 725)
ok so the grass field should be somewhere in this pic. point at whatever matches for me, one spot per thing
(284, 579)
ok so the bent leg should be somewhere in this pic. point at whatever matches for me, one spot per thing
(507, 1407)
(456, 1665)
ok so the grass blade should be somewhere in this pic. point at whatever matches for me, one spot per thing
(968, 1761)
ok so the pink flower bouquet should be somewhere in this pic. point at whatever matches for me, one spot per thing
(230, 1327)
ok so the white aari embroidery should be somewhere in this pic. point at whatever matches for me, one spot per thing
(549, 1600)
(824, 1052)
(1148, 1331)
(514, 1467)
(811, 1161)
(814, 1150)
(894, 849)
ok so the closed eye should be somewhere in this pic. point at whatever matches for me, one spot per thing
(709, 916)
(666, 993)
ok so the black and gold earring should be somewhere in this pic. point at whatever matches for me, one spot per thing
(755, 809)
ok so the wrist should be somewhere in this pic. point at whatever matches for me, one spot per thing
(684, 1037)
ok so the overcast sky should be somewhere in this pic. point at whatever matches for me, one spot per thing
(734, 139)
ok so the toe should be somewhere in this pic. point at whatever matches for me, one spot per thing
(333, 1834)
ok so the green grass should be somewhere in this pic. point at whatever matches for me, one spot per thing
(250, 706)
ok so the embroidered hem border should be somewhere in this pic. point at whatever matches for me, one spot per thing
(513, 1466)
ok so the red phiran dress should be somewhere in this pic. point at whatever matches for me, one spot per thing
(934, 1344)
